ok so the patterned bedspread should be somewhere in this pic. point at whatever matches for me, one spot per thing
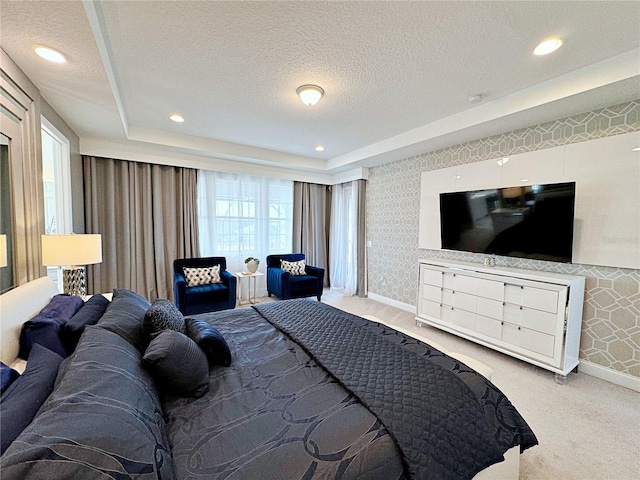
(275, 414)
(337, 396)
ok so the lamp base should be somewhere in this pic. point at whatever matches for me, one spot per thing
(73, 281)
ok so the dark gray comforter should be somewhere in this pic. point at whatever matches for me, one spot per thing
(277, 412)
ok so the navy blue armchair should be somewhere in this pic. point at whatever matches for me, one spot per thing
(203, 298)
(284, 285)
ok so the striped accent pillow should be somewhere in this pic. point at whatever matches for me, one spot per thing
(201, 275)
(294, 268)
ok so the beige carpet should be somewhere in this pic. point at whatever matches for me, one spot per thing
(587, 428)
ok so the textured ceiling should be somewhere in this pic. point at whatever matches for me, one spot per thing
(397, 75)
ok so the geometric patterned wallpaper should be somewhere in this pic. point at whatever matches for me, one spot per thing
(611, 314)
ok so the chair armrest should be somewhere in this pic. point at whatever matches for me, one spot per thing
(179, 290)
(278, 281)
(315, 271)
(228, 278)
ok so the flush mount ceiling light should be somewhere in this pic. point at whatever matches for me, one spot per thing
(477, 98)
(319, 148)
(176, 118)
(49, 54)
(502, 161)
(310, 94)
(548, 46)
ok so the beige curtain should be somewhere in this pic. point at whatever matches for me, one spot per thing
(147, 216)
(311, 215)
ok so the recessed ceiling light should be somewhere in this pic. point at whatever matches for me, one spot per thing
(502, 161)
(475, 98)
(319, 148)
(548, 46)
(524, 179)
(49, 54)
(637, 149)
(176, 118)
(457, 176)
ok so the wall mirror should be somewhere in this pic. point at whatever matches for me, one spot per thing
(7, 279)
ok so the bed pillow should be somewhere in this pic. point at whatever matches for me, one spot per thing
(22, 400)
(178, 366)
(195, 276)
(7, 376)
(209, 339)
(163, 315)
(61, 307)
(89, 314)
(46, 327)
(41, 331)
(125, 316)
(294, 268)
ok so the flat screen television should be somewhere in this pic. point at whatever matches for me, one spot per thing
(532, 221)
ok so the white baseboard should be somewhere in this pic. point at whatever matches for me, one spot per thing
(392, 303)
(604, 373)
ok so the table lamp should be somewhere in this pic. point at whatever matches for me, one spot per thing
(3, 250)
(72, 252)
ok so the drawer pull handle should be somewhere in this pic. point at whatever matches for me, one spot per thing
(520, 307)
(503, 304)
(518, 328)
(501, 323)
(451, 308)
(521, 287)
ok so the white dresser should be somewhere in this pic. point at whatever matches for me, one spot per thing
(533, 316)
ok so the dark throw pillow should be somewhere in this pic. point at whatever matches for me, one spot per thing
(22, 400)
(125, 316)
(46, 327)
(177, 365)
(163, 315)
(7, 376)
(41, 331)
(89, 314)
(210, 341)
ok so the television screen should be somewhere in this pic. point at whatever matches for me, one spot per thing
(533, 221)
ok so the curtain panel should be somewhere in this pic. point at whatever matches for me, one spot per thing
(311, 224)
(347, 252)
(147, 216)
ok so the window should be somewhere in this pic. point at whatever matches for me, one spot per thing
(242, 216)
(56, 179)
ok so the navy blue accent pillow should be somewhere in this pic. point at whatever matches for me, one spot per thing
(125, 316)
(89, 314)
(210, 341)
(22, 400)
(45, 332)
(7, 376)
(178, 366)
(46, 326)
(61, 307)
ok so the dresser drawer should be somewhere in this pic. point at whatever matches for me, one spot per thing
(431, 277)
(489, 327)
(538, 298)
(429, 292)
(430, 308)
(489, 308)
(490, 289)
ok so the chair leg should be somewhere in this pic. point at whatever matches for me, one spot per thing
(269, 293)
(319, 297)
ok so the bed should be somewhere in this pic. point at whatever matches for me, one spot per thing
(312, 392)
